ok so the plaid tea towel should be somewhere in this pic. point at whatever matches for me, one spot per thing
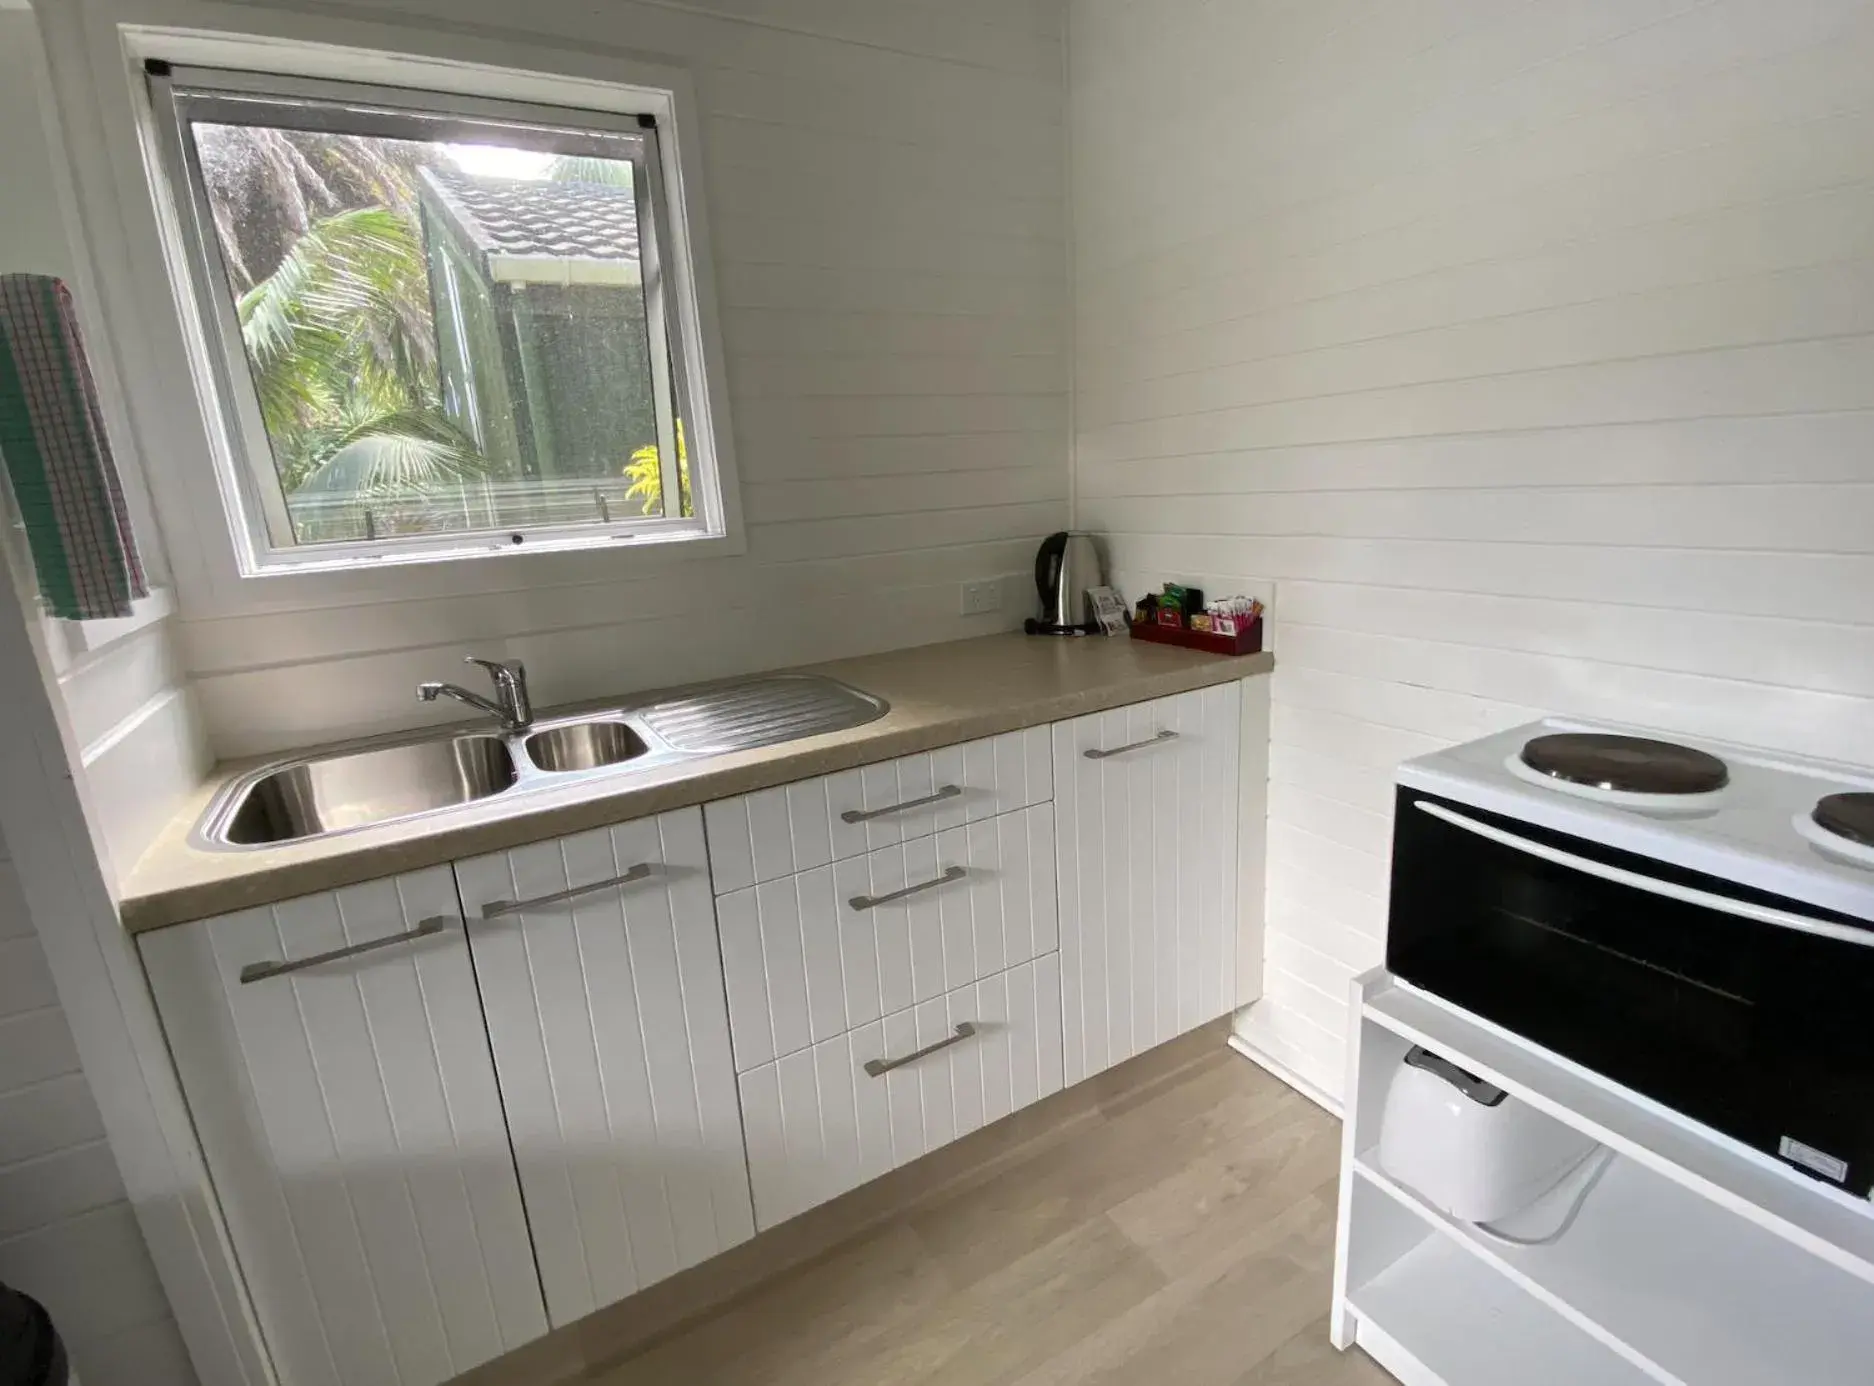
(59, 460)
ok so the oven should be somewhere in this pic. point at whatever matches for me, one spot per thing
(1745, 1011)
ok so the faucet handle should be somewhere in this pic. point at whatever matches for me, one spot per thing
(510, 678)
(497, 668)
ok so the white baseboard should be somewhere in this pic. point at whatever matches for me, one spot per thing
(1263, 1059)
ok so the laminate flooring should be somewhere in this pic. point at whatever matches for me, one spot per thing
(1178, 1232)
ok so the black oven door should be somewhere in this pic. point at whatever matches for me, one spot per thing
(1748, 1012)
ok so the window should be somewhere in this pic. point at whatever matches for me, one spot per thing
(431, 325)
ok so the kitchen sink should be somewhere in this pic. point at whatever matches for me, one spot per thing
(585, 746)
(385, 781)
(313, 798)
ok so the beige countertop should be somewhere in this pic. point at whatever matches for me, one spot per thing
(939, 695)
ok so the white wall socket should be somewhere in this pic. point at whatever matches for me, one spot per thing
(984, 594)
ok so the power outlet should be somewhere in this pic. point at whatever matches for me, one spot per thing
(984, 594)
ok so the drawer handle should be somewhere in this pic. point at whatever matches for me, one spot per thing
(1097, 754)
(949, 791)
(872, 902)
(494, 909)
(878, 1068)
(260, 971)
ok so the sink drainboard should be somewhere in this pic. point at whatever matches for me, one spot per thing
(760, 712)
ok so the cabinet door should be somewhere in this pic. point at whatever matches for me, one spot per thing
(349, 1116)
(820, 1124)
(1146, 802)
(611, 1039)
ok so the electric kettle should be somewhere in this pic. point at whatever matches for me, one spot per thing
(1066, 566)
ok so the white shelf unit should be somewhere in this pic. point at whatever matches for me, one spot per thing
(1434, 1316)
(1821, 1220)
(1693, 1262)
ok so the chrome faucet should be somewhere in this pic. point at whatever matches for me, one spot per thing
(510, 704)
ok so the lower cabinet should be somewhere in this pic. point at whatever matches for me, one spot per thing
(602, 984)
(819, 1122)
(348, 1111)
(448, 1110)
(1146, 799)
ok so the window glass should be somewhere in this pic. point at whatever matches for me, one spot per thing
(445, 333)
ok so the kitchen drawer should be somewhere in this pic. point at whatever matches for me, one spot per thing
(805, 963)
(817, 1123)
(796, 827)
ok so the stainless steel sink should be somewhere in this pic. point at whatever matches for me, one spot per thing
(387, 780)
(585, 746)
(313, 798)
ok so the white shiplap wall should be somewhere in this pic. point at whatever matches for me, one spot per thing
(133, 719)
(121, 682)
(886, 189)
(1527, 351)
(68, 1236)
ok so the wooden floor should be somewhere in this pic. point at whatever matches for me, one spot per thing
(1178, 1232)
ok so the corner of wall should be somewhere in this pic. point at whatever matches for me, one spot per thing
(99, 742)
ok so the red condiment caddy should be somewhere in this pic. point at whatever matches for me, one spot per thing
(1247, 640)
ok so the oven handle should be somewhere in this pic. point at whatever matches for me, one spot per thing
(1743, 909)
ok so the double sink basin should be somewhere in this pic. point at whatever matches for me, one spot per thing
(384, 781)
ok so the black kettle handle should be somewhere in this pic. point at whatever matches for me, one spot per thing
(1046, 559)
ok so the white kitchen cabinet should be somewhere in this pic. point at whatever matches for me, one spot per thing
(457, 1107)
(604, 1002)
(796, 827)
(350, 1119)
(1146, 803)
(818, 1123)
(810, 956)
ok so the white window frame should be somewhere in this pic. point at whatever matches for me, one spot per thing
(676, 280)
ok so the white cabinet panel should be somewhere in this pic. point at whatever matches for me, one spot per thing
(611, 1038)
(804, 963)
(818, 1124)
(349, 1115)
(796, 827)
(1148, 872)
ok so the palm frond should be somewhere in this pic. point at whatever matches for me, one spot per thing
(400, 452)
(345, 265)
(645, 471)
(399, 464)
(426, 423)
(334, 321)
(289, 399)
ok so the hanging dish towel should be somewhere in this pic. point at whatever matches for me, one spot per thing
(58, 457)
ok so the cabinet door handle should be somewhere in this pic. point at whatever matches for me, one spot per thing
(494, 909)
(260, 971)
(949, 791)
(1097, 754)
(872, 902)
(878, 1068)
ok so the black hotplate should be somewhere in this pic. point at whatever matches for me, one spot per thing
(1627, 764)
(1849, 816)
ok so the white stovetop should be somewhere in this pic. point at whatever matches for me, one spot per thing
(1749, 835)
